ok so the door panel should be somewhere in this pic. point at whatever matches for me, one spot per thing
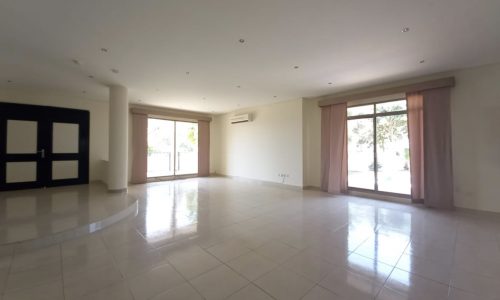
(42, 146)
(23, 171)
(21, 137)
(65, 137)
(160, 148)
(186, 143)
(64, 169)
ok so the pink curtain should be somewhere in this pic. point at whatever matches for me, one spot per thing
(438, 177)
(203, 148)
(139, 148)
(334, 148)
(416, 137)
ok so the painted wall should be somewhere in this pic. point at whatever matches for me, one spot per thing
(98, 120)
(475, 109)
(261, 149)
(312, 142)
(475, 112)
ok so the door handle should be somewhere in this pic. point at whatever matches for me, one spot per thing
(42, 153)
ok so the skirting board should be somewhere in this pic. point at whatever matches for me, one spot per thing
(257, 181)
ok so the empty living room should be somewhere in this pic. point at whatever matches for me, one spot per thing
(249, 150)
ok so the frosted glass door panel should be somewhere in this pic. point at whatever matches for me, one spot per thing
(65, 138)
(21, 172)
(21, 137)
(64, 169)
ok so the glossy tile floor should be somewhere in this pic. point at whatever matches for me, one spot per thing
(218, 238)
(42, 214)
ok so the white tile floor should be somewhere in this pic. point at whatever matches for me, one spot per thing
(217, 238)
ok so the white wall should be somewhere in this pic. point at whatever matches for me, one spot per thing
(312, 142)
(261, 149)
(98, 121)
(475, 112)
(475, 109)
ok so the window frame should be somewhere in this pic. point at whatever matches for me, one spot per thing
(374, 116)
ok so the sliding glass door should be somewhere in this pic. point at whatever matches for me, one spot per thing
(172, 148)
(378, 147)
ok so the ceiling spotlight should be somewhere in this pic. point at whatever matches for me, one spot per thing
(76, 61)
(405, 29)
(116, 71)
(296, 67)
(241, 41)
(422, 61)
(104, 49)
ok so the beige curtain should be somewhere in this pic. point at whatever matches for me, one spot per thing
(438, 177)
(334, 148)
(203, 148)
(416, 137)
(139, 148)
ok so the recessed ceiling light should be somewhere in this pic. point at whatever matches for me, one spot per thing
(296, 67)
(422, 61)
(241, 41)
(104, 49)
(76, 61)
(116, 71)
(405, 29)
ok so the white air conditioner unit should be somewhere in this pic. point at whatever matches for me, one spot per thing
(240, 118)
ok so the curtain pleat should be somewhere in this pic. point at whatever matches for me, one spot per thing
(438, 176)
(139, 148)
(334, 148)
(203, 148)
(416, 138)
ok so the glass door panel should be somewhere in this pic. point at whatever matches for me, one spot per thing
(160, 148)
(186, 142)
(393, 154)
(360, 154)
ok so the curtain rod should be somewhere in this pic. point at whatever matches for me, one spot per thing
(169, 112)
(408, 88)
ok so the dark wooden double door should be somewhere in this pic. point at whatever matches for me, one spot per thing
(42, 146)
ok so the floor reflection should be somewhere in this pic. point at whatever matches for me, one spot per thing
(41, 213)
(385, 233)
(171, 211)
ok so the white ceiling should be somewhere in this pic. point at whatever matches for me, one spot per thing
(153, 44)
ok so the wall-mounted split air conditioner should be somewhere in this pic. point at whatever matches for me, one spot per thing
(240, 118)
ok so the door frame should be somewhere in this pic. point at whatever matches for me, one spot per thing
(174, 154)
(45, 116)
